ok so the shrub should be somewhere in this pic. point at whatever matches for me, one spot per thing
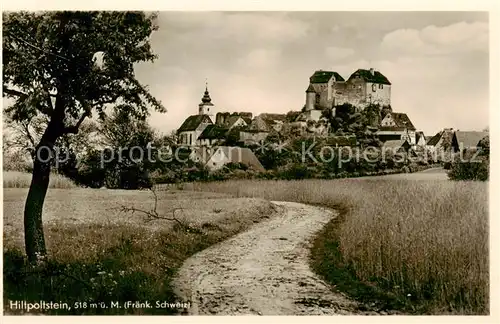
(468, 170)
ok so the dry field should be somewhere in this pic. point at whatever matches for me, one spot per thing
(99, 253)
(15, 179)
(425, 242)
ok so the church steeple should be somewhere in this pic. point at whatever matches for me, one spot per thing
(206, 107)
(206, 96)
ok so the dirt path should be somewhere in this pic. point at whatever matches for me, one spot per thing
(263, 271)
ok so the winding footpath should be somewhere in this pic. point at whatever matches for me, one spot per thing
(263, 271)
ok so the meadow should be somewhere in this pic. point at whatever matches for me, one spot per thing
(421, 246)
(17, 179)
(417, 245)
(97, 252)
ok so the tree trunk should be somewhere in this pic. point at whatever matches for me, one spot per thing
(34, 239)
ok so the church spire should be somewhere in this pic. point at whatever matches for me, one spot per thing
(206, 96)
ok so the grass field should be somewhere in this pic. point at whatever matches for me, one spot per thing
(15, 179)
(98, 253)
(420, 246)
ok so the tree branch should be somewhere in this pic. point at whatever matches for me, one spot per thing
(74, 129)
(26, 128)
(153, 214)
(13, 92)
(21, 95)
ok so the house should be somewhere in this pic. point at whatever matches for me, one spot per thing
(212, 135)
(235, 121)
(420, 139)
(441, 142)
(216, 157)
(466, 140)
(232, 119)
(261, 127)
(192, 128)
(274, 121)
(397, 126)
(396, 146)
(256, 132)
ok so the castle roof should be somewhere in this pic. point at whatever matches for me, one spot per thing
(325, 76)
(376, 77)
(310, 88)
(193, 122)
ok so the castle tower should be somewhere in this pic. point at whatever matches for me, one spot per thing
(310, 97)
(206, 107)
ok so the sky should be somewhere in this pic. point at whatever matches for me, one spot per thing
(260, 62)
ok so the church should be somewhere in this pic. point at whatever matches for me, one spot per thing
(194, 125)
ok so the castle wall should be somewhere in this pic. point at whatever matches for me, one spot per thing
(353, 92)
(324, 96)
(360, 94)
(381, 95)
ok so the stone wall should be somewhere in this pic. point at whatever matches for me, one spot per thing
(381, 95)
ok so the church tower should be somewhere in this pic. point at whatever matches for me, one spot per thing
(206, 107)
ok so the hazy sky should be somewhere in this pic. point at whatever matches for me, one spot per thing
(261, 61)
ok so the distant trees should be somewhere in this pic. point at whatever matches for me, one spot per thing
(346, 119)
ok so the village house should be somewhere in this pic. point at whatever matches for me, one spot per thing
(212, 135)
(232, 120)
(441, 142)
(214, 158)
(396, 146)
(420, 140)
(466, 140)
(397, 126)
(261, 127)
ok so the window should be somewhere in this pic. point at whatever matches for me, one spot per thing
(381, 86)
(190, 139)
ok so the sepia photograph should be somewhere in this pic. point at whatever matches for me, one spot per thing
(190, 163)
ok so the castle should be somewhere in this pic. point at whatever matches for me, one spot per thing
(328, 89)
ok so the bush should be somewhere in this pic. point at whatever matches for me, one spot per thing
(478, 170)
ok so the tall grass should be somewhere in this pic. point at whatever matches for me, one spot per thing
(16, 179)
(425, 240)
